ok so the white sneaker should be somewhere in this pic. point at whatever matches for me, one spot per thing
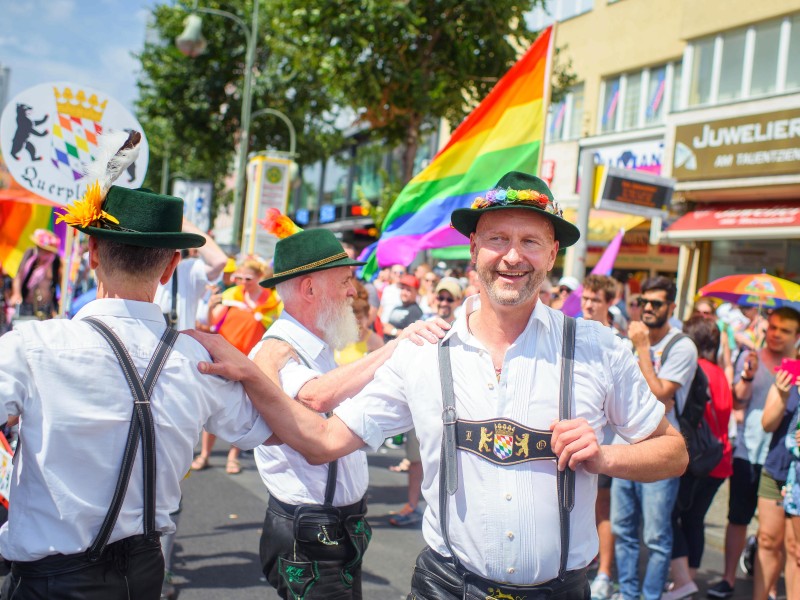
(684, 591)
(601, 587)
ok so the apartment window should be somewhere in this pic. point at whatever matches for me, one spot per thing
(557, 10)
(565, 117)
(731, 67)
(793, 66)
(744, 63)
(638, 99)
(765, 66)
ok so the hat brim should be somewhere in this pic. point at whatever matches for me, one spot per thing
(46, 247)
(173, 240)
(465, 221)
(342, 262)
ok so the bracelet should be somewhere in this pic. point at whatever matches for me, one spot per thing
(747, 379)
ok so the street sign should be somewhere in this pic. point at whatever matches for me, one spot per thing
(635, 192)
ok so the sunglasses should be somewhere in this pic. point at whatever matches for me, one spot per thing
(445, 299)
(656, 304)
(564, 290)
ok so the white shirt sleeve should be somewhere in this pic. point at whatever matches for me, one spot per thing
(381, 409)
(294, 376)
(632, 409)
(15, 375)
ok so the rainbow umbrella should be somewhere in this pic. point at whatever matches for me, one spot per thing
(762, 290)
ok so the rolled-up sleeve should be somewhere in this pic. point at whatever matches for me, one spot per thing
(632, 409)
(237, 421)
(381, 409)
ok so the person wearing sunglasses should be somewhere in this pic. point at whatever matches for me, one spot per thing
(669, 381)
(510, 469)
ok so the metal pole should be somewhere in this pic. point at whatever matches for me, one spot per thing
(247, 99)
(578, 266)
(165, 172)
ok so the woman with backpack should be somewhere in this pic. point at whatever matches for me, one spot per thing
(696, 493)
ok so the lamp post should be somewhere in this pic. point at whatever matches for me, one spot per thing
(191, 43)
(285, 119)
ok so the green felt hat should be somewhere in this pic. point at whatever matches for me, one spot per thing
(517, 190)
(145, 219)
(306, 252)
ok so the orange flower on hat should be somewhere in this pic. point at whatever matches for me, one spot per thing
(88, 210)
(278, 224)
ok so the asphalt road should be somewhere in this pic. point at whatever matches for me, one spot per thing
(216, 554)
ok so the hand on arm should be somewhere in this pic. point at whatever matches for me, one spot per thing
(663, 389)
(318, 439)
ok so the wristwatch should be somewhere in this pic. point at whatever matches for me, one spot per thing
(743, 378)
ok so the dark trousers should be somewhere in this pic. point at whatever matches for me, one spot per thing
(129, 569)
(688, 529)
(305, 571)
(438, 578)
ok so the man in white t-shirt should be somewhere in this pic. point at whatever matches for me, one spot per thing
(194, 273)
(633, 503)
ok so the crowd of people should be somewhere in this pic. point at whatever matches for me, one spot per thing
(482, 370)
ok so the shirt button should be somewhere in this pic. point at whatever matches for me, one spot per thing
(508, 496)
(511, 570)
(510, 535)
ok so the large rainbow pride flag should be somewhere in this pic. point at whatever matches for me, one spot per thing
(504, 133)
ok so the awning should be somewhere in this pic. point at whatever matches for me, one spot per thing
(737, 222)
(605, 224)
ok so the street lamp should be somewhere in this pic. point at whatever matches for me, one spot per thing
(285, 119)
(191, 43)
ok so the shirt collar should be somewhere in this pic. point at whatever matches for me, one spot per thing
(303, 338)
(118, 307)
(541, 313)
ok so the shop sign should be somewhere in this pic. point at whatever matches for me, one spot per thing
(635, 192)
(751, 146)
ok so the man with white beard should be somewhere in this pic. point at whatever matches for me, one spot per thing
(315, 533)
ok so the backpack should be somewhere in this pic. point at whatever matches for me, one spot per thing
(705, 449)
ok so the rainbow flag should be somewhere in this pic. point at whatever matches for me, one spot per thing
(18, 220)
(504, 133)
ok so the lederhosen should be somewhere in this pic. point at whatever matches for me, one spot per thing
(437, 577)
(315, 551)
(129, 568)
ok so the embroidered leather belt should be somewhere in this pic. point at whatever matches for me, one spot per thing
(503, 442)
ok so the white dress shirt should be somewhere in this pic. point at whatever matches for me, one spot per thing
(65, 382)
(288, 476)
(504, 521)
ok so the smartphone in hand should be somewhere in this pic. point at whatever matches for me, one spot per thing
(790, 365)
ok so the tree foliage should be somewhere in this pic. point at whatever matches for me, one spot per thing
(397, 65)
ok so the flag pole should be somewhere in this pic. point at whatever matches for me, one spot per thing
(546, 92)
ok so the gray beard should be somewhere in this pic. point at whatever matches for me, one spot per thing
(338, 324)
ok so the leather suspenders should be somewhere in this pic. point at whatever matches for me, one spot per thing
(333, 466)
(142, 425)
(448, 468)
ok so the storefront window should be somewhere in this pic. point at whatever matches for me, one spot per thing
(730, 78)
(765, 55)
(334, 186)
(308, 196)
(734, 257)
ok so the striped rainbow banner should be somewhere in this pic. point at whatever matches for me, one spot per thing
(504, 133)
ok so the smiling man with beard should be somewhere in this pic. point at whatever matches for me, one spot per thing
(507, 409)
(314, 278)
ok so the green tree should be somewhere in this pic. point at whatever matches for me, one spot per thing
(190, 108)
(400, 64)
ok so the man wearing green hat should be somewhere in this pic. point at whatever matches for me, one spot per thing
(103, 399)
(313, 276)
(507, 409)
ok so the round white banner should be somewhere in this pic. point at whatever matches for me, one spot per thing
(48, 133)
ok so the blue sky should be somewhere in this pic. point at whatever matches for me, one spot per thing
(84, 41)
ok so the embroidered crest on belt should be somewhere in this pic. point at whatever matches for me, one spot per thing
(503, 442)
